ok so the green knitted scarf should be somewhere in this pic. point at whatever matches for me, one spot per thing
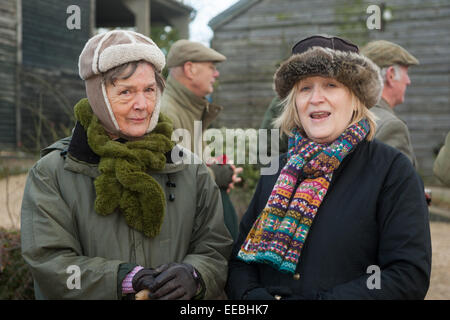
(123, 182)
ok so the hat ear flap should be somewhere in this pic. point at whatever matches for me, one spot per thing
(155, 114)
(98, 99)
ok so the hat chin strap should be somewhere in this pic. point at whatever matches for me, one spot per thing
(108, 108)
(155, 113)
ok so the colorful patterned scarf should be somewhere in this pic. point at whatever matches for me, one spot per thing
(278, 234)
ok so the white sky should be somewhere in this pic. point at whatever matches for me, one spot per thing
(206, 10)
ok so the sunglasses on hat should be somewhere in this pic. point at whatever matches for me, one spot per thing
(334, 43)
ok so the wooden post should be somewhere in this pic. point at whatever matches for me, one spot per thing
(141, 11)
(18, 73)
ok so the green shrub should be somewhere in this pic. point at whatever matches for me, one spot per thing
(242, 194)
(16, 281)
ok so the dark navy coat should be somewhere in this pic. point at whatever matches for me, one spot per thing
(374, 214)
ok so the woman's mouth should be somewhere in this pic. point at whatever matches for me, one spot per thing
(137, 120)
(319, 115)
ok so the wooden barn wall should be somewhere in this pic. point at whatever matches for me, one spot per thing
(50, 84)
(256, 41)
(47, 42)
(8, 47)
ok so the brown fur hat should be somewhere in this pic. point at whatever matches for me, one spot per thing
(355, 71)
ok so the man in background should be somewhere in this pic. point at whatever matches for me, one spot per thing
(192, 73)
(394, 62)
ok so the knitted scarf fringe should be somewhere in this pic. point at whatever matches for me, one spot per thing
(123, 183)
(278, 235)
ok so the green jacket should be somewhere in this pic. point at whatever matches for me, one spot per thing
(393, 131)
(184, 107)
(61, 229)
(441, 168)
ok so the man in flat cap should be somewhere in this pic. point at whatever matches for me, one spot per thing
(192, 73)
(393, 61)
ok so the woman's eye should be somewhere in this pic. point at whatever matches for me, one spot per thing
(149, 89)
(124, 92)
(332, 85)
(305, 88)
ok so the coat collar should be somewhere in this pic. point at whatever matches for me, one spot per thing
(385, 106)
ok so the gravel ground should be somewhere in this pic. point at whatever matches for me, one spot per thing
(440, 235)
(440, 270)
(11, 192)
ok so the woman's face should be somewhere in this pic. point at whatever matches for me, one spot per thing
(133, 100)
(324, 107)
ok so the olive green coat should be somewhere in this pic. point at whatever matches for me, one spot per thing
(60, 229)
(393, 131)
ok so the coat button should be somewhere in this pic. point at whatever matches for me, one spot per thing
(296, 276)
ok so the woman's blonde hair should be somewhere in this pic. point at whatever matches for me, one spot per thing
(289, 118)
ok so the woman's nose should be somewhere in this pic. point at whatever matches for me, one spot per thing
(140, 101)
(316, 95)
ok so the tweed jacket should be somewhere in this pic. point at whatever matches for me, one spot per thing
(393, 131)
(441, 168)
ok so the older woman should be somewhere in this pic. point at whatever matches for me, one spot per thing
(345, 216)
(106, 213)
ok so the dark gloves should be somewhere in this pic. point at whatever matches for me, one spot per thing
(144, 278)
(176, 281)
(223, 174)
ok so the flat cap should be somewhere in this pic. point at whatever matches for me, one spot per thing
(185, 50)
(385, 54)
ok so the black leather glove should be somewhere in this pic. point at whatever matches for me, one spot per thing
(177, 281)
(144, 278)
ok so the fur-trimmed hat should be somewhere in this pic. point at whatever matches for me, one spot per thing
(106, 51)
(350, 68)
